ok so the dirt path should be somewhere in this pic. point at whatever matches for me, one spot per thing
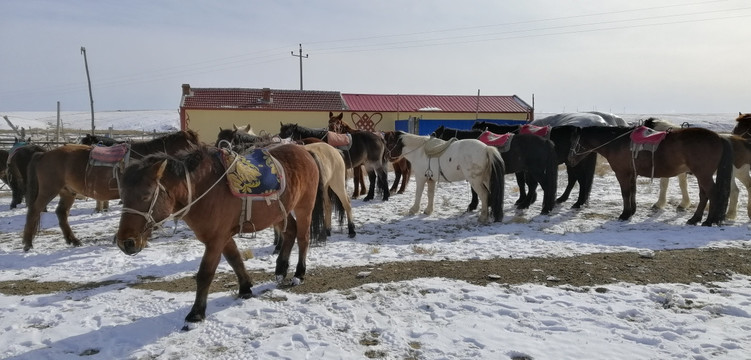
(671, 266)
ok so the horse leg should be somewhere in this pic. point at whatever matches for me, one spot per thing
(406, 173)
(303, 242)
(278, 240)
(742, 174)
(327, 210)
(419, 187)
(371, 190)
(16, 186)
(357, 180)
(734, 193)
(585, 174)
(383, 182)
(520, 182)
(703, 197)
(62, 211)
(34, 208)
(212, 253)
(431, 196)
(233, 257)
(474, 201)
(685, 199)
(531, 193)
(662, 198)
(483, 194)
(570, 172)
(627, 180)
(288, 241)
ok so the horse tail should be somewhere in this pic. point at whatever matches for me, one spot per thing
(338, 206)
(722, 180)
(317, 221)
(497, 171)
(32, 183)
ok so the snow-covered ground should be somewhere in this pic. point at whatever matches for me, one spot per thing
(429, 318)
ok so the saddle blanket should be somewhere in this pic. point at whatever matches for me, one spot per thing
(646, 136)
(109, 154)
(341, 141)
(501, 141)
(542, 131)
(256, 174)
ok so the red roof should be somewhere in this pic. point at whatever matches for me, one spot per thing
(226, 98)
(445, 103)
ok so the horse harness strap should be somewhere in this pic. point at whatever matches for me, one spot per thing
(434, 148)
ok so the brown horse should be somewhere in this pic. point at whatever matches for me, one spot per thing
(743, 125)
(700, 151)
(192, 186)
(402, 167)
(65, 171)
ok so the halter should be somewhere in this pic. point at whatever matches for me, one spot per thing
(576, 146)
(148, 215)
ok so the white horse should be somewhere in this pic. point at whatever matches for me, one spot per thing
(435, 160)
(741, 168)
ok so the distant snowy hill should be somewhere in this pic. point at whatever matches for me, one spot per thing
(141, 120)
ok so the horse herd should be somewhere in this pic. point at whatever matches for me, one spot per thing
(179, 177)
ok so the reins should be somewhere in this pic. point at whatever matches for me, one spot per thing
(578, 136)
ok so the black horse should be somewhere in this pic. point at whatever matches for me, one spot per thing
(99, 140)
(17, 163)
(582, 172)
(532, 158)
(366, 148)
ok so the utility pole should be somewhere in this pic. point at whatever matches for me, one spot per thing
(91, 97)
(300, 56)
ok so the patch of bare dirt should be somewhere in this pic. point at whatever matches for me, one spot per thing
(670, 266)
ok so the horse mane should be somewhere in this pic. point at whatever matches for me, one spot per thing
(412, 140)
(177, 165)
(159, 144)
(660, 124)
(299, 131)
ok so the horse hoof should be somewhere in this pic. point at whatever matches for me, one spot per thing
(352, 234)
(692, 221)
(26, 248)
(247, 295)
(279, 279)
(296, 281)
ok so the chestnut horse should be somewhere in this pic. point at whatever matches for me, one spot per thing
(65, 171)
(402, 168)
(700, 151)
(192, 186)
(366, 149)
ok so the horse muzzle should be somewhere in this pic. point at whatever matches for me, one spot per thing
(130, 246)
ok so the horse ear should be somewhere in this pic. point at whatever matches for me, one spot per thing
(331, 114)
(340, 116)
(160, 167)
(247, 128)
(220, 129)
(740, 113)
(234, 127)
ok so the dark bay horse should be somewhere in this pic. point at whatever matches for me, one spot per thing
(582, 173)
(366, 149)
(240, 139)
(743, 125)
(17, 164)
(192, 186)
(698, 150)
(401, 166)
(532, 158)
(65, 171)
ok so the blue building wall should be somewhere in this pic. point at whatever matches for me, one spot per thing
(427, 126)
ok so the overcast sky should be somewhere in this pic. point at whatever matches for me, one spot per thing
(639, 56)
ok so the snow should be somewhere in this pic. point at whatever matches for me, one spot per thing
(426, 318)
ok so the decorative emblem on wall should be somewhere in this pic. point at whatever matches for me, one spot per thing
(366, 122)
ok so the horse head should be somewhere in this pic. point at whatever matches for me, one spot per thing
(287, 130)
(438, 132)
(743, 125)
(394, 145)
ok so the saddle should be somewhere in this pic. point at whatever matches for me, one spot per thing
(644, 138)
(501, 141)
(109, 155)
(541, 131)
(13, 150)
(434, 147)
(256, 175)
(339, 141)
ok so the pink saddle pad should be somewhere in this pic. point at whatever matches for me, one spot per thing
(492, 139)
(338, 140)
(542, 131)
(109, 154)
(645, 135)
